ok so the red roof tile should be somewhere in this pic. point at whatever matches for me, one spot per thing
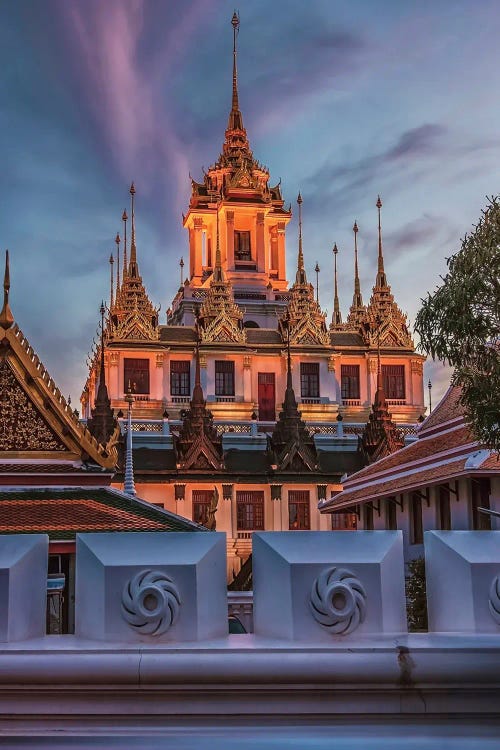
(448, 408)
(69, 515)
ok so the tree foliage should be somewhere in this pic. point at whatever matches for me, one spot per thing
(416, 597)
(460, 323)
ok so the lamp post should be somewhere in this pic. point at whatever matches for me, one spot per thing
(317, 270)
(429, 386)
(129, 484)
(181, 264)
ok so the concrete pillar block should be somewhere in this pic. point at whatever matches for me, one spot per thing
(151, 587)
(463, 581)
(315, 586)
(23, 586)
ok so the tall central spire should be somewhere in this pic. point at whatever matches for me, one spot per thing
(235, 121)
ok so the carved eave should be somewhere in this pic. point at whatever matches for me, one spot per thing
(201, 456)
(46, 406)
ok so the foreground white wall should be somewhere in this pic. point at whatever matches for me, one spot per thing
(151, 587)
(316, 586)
(23, 584)
(463, 581)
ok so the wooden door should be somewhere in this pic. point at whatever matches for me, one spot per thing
(267, 396)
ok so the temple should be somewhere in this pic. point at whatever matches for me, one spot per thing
(239, 341)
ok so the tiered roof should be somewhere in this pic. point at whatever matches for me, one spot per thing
(132, 314)
(305, 321)
(445, 450)
(198, 445)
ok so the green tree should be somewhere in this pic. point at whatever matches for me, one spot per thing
(460, 324)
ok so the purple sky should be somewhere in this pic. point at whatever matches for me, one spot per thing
(341, 100)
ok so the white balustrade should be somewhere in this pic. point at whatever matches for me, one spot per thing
(463, 581)
(23, 586)
(313, 585)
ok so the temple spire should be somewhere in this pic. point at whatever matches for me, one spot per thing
(218, 272)
(117, 242)
(6, 317)
(133, 251)
(357, 300)
(301, 274)
(337, 315)
(197, 398)
(235, 121)
(111, 291)
(102, 422)
(381, 277)
(125, 267)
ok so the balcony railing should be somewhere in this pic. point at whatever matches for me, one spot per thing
(309, 400)
(351, 401)
(396, 401)
(225, 399)
(180, 399)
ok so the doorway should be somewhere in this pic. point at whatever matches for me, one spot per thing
(267, 397)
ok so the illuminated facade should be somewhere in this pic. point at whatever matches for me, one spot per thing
(238, 305)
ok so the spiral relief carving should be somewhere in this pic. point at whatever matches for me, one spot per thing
(338, 600)
(494, 599)
(150, 602)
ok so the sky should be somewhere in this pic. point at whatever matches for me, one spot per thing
(341, 100)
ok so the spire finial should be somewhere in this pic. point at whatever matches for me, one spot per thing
(381, 278)
(111, 295)
(357, 299)
(117, 241)
(125, 266)
(133, 251)
(6, 317)
(337, 316)
(235, 22)
(197, 390)
(300, 260)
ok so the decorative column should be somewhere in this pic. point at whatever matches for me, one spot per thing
(281, 251)
(230, 239)
(158, 376)
(114, 389)
(371, 380)
(260, 245)
(196, 250)
(335, 375)
(247, 378)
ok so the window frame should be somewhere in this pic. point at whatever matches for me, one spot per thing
(350, 384)
(242, 237)
(300, 500)
(394, 382)
(224, 377)
(309, 381)
(253, 521)
(183, 377)
(128, 378)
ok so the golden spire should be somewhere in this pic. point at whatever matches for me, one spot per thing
(133, 250)
(357, 300)
(337, 315)
(235, 121)
(124, 219)
(301, 274)
(6, 317)
(218, 272)
(381, 277)
(111, 296)
(117, 241)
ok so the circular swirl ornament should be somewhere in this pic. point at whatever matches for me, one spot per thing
(150, 602)
(494, 599)
(338, 601)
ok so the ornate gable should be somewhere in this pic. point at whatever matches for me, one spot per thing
(35, 419)
(22, 426)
